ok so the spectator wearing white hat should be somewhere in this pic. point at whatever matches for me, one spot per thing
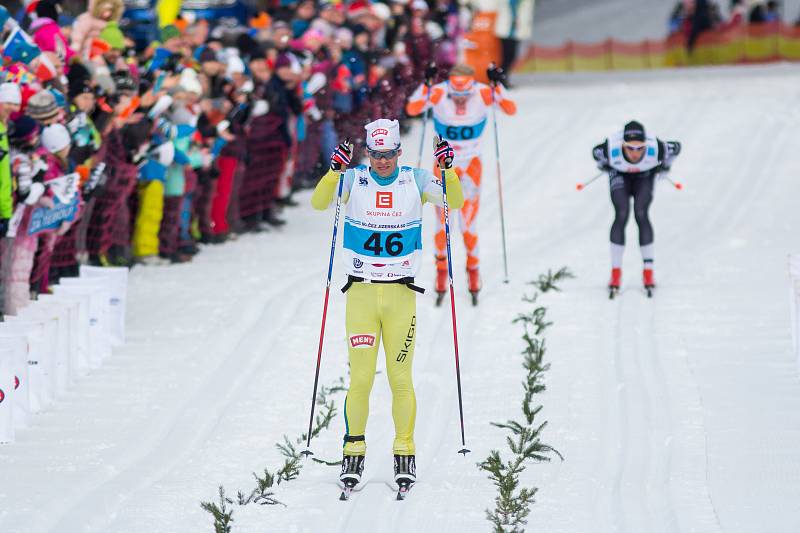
(56, 143)
(382, 247)
(10, 100)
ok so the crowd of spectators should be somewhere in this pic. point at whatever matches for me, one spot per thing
(113, 154)
(693, 17)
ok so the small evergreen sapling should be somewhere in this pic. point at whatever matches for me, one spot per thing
(512, 503)
(223, 516)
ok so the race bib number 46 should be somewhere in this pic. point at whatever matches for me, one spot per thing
(385, 244)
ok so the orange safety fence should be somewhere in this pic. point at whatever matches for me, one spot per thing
(758, 43)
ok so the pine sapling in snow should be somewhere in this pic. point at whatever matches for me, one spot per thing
(223, 516)
(512, 504)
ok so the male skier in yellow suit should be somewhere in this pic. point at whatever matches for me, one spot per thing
(382, 245)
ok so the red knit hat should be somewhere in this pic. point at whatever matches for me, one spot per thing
(358, 8)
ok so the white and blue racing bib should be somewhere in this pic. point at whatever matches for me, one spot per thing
(617, 161)
(383, 227)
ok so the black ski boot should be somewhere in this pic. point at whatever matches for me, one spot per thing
(271, 218)
(352, 470)
(405, 474)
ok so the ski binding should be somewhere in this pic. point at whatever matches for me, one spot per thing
(403, 488)
(349, 485)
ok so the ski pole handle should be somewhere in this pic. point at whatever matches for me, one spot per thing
(581, 186)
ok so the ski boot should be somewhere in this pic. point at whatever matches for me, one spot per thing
(615, 282)
(474, 284)
(352, 470)
(649, 281)
(441, 279)
(405, 474)
(271, 218)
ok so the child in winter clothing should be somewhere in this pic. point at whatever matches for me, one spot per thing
(19, 248)
(47, 33)
(54, 151)
(89, 24)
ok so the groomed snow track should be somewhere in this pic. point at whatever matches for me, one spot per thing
(679, 413)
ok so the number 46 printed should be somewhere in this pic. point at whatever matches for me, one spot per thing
(393, 244)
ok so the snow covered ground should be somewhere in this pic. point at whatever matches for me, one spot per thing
(677, 414)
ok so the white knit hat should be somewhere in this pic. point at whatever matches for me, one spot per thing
(10, 93)
(235, 66)
(419, 5)
(383, 134)
(189, 82)
(55, 138)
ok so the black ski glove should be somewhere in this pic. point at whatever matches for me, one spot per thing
(496, 75)
(430, 73)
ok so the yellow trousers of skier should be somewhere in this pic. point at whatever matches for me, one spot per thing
(380, 311)
(148, 219)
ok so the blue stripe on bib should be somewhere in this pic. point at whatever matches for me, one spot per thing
(459, 133)
(385, 244)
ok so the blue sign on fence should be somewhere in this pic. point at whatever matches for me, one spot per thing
(44, 218)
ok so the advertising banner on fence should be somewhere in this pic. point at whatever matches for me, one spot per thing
(65, 198)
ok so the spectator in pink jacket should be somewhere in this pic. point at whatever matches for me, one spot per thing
(89, 24)
(47, 33)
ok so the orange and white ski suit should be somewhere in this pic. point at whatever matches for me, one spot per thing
(463, 126)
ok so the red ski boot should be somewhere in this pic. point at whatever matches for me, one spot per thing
(474, 284)
(615, 282)
(649, 281)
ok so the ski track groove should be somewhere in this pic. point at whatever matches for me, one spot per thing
(666, 438)
(620, 411)
(643, 406)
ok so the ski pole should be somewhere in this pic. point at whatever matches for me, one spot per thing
(463, 450)
(307, 451)
(499, 180)
(581, 186)
(428, 84)
(424, 127)
(678, 185)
